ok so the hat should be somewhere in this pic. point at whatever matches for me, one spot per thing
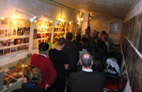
(43, 46)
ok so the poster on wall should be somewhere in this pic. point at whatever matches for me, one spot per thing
(113, 28)
(132, 28)
(123, 80)
(4, 21)
(128, 54)
(131, 68)
(137, 30)
(140, 43)
(2, 32)
(140, 38)
(137, 85)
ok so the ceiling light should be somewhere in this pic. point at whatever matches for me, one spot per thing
(33, 18)
(2, 18)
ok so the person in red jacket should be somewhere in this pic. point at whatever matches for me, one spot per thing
(45, 65)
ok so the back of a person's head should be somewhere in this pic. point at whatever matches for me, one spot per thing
(103, 32)
(61, 41)
(32, 74)
(69, 36)
(78, 37)
(85, 45)
(99, 65)
(43, 47)
(86, 60)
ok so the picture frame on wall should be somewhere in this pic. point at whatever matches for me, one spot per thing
(137, 30)
(4, 21)
(2, 32)
(113, 28)
(137, 82)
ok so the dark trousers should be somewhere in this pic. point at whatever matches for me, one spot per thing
(58, 86)
(47, 90)
(68, 75)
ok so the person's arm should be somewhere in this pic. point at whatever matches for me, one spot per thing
(65, 60)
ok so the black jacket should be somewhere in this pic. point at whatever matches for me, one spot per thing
(87, 81)
(72, 53)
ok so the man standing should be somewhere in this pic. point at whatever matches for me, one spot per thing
(59, 59)
(72, 53)
(45, 65)
(86, 80)
(70, 49)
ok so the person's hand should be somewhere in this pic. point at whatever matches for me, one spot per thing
(46, 86)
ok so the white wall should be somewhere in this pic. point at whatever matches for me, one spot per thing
(101, 23)
(34, 7)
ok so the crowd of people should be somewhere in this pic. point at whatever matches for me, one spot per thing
(78, 65)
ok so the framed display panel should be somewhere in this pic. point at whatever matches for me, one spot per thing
(123, 80)
(132, 28)
(128, 53)
(137, 82)
(131, 66)
(140, 39)
(13, 33)
(137, 30)
(42, 32)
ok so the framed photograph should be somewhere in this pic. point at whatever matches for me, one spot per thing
(136, 34)
(2, 32)
(26, 30)
(14, 32)
(4, 21)
(13, 49)
(6, 51)
(4, 43)
(35, 34)
(140, 43)
(132, 28)
(113, 28)
(137, 85)
(20, 31)
(19, 48)
(1, 52)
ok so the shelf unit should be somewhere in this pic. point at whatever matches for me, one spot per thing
(42, 32)
(14, 36)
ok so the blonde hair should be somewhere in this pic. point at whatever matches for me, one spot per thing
(32, 74)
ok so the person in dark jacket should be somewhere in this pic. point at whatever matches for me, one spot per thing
(70, 49)
(86, 80)
(59, 59)
(32, 77)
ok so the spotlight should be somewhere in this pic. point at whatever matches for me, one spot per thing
(58, 22)
(33, 18)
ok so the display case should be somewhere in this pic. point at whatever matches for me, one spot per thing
(14, 36)
(13, 76)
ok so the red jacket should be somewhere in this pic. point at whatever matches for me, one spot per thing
(46, 67)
